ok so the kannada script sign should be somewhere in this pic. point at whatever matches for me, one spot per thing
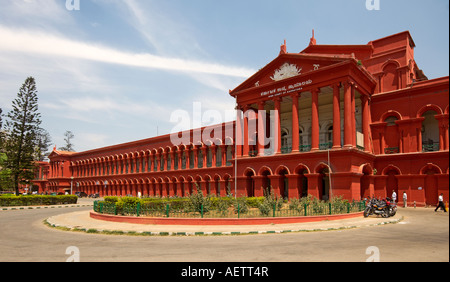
(286, 89)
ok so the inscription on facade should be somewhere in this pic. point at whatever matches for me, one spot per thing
(286, 89)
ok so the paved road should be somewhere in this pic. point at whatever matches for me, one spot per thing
(422, 236)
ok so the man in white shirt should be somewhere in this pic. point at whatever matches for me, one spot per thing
(394, 196)
(441, 203)
(405, 199)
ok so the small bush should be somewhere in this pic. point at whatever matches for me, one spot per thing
(197, 200)
(240, 205)
(266, 207)
(254, 202)
(111, 199)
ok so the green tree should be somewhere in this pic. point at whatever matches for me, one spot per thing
(69, 146)
(43, 143)
(22, 127)
(1, 131)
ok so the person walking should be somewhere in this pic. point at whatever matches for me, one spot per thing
(405, 200)
(441, 203)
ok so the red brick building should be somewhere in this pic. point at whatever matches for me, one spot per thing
(350, 120)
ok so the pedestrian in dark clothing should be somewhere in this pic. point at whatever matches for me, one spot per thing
(441, 203)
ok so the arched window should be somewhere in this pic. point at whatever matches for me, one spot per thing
(329, 137)
(191, 159)
(391, 121)
(169, 161)
(209, 157)
(199, 158)
(430, 132)
(229, 155)
(219, 156)
(183, 160)
(285, 146)
(392, 137)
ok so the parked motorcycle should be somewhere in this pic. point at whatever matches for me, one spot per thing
(378, 207)
(392, 207)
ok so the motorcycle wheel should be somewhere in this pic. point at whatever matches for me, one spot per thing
(385, 214)
(366, 212)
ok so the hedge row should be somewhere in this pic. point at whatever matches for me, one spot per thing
(178, 203)
(36, 200)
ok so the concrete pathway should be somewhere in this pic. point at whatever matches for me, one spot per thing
(81, 221)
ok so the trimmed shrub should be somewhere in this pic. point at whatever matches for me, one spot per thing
(37, 200)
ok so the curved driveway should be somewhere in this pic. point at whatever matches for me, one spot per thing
(423, 235)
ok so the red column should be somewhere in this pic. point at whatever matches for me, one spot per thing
(295, 126)
(293, 186)
(313, 184)
(336, 117)
(275, 183)
(204, 155)
(239, 137)
(179, 153)
(158, 162)
(446, 138)
(278, 125)
(315, 120)
(145, 158)
(172, 161)
(187, 155)
(223, 151)
(366, 123)
(246, 133)
(171, 188)
(261, 128)
(213, 155)
(443, 131)
(347, 115)
(195, 157)
(353, 115)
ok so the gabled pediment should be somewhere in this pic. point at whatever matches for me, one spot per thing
(287, 66)
(55, 153)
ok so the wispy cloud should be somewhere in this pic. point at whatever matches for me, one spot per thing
(168, 33)
(42, 43)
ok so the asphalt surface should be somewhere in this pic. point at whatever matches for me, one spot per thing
(421, 235)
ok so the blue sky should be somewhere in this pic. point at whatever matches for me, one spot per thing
(115, 70)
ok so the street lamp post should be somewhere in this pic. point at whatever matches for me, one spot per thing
(71, 185)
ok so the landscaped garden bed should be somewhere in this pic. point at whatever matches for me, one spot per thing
(199, 206)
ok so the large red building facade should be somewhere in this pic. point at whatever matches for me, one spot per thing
(332, 120)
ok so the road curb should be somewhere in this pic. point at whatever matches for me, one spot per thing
(43, 207)
(63, 227)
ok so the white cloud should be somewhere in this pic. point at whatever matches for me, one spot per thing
(41, 43)
(93, 140)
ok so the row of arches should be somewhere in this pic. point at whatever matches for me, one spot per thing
(430, 128)
(286, 182)
(163, 186)
(156, 160)
(424, 188)
(419, 113)
(321, 181)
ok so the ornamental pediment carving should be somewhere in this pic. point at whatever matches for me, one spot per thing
(287, 70)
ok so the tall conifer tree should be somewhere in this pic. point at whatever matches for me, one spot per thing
(22, 128)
